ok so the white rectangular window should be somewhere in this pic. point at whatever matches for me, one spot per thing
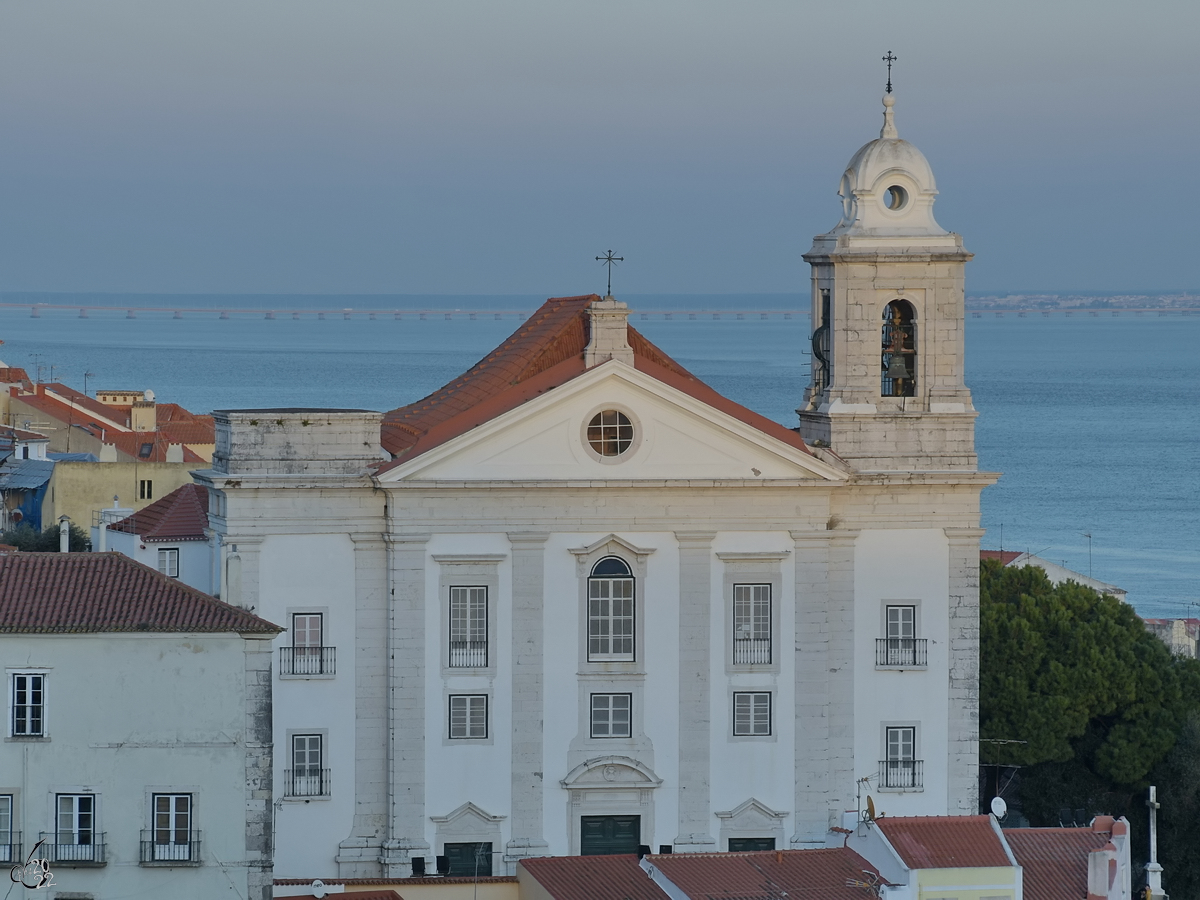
(7, 854)
(900, 645)
(901, 622)
(468, 627)
(901, 768)
(468, 716)
(752, 713)
(76, 823)
(29, 705)
(172, 827)
(145, 485)
(168, 562)
(751, 624)
(610, 619)
(611, 715)
(900, 743)
(307, 777)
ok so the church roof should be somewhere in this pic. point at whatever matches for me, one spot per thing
(545, 352)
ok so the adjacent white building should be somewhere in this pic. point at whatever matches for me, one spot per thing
(137, 732)
(577, 602)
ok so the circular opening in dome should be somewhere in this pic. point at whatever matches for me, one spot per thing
(896, 197)
(610, 433)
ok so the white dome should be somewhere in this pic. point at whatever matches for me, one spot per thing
(888, 187)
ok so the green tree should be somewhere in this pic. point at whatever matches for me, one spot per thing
(1076, 676)
(25, 538)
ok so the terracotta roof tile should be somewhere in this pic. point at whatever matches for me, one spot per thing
(544, 353)
(1005, 556)
(770, 874)
(149, 446)
(944, 842)
(181, 515)
(356, 895)
(117, 414)
(107, 592)
(13, 375)
(593, 878)
(1055, 860)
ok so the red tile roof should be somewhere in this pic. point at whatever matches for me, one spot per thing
(181, 515)
(944, 842)
(13, 375)
(593, 878)
(544, 353)
(355, 895)
(133, 443)
(1005, 556)
(44, 593)
(118, 414)
(1055, 860)
(770, 874)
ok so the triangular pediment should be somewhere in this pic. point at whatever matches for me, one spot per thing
(676, 437)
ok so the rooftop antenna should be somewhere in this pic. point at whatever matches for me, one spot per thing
(86, 376)
(1088, 535)
(609, 260)
(889, 59)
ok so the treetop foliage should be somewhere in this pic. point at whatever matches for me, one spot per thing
(1076, 676)
(25, 538)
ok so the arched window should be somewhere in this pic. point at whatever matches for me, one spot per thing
(610, 611)
(898, 360)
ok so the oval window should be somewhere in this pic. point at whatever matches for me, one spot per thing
(610, 432)
(896, 197)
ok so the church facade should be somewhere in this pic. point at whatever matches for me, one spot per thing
(576, 601)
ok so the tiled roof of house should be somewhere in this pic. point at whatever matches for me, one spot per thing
(181, 515)
(149, 446)
(593, 878)
(770, 874)
(544, 353)
(16, 434)
(1005, 556)
(1055, 860)
(13, 375)
(385, 894)
(944, 842)
(106, 592)
(118, 414)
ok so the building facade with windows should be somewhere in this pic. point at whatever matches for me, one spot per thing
(576, 601)
(137, 738)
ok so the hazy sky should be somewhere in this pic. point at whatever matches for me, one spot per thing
(494, 147)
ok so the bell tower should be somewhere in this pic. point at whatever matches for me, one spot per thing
(887, 390)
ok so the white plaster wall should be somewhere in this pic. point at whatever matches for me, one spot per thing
(464, 771)
(899, 565)
(312, 571)
(126, 715)
(195, 557)
(754, 767)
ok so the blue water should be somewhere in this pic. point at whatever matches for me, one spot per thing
(1095, 422)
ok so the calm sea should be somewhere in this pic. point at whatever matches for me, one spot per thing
(1095, 422)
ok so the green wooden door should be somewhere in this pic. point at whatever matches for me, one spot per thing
(608, 835)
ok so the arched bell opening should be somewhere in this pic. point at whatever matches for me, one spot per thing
(898, 359)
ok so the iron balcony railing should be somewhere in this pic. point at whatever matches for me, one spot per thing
(10, 849)
(170, 845)
(307, 660)
(751, 651)
(902, 652)
(468, 654)
(305, 782)
(906, 774)
(80, 848)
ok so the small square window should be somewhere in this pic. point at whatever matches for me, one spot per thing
(752, 713)
(168, 562)
(611, 715)
(468, 717)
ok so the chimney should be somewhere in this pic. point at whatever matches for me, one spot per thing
(143, 416)
(609, 333)
(174, 453)
(64, 534)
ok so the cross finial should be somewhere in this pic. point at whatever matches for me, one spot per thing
(889, 59)
(609, 260)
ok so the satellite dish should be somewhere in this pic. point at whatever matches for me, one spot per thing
(149, 397)
(999, 807)
(318, 889)
(870, 809)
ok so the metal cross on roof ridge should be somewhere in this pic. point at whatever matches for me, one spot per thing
(889, 59)
(609, 260)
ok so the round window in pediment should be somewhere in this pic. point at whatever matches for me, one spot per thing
(896, 198)
(610, 432)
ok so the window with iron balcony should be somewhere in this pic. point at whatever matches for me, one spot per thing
(468, 627)
(751, 624)
(901, 648)
(308, 656)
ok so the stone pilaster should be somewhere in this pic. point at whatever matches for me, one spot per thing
(239, 581)
(814, 793)
(962, 751)
(406, 724)
(528, 695)
(840, 663)
(695, 700)
(259, 772)
(359, 854)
